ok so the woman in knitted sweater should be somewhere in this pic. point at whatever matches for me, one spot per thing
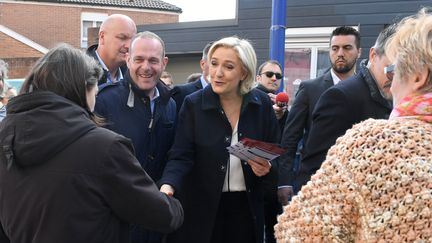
(376, 182)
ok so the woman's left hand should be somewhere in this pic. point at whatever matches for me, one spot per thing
(260, 166)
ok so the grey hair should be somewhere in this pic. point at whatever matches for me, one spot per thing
(147, 35)
(382, 39)
(3, 68)
(206, 50)
(3, 71)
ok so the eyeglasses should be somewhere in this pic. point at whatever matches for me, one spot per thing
(270, 74)
(389, 71)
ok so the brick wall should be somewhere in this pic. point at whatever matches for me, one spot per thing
(17, 55)
(19, 67)
(44, 24)
(12, 48)
(49, 24)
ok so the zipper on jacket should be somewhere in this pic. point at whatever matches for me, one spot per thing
(150, 124)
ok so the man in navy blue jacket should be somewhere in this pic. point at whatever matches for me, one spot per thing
(140, 108)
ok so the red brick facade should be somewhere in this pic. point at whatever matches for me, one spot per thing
(19, 56)
(20, 67)
(48, 24)
(12, 48)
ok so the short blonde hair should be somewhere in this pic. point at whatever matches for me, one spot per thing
(247, 56)
(410, 48)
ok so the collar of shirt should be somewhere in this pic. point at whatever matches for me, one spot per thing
(133, 90)
(203, 82)
(110, 79)
(335, 78)
(153, 100)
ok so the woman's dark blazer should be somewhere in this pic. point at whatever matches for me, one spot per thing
(198, 159)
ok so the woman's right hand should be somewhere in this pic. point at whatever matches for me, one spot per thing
(260, 166)
(167, 189)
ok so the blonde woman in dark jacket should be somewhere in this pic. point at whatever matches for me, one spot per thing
(222, 195)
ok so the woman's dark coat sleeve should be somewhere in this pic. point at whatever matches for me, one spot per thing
(133, 195)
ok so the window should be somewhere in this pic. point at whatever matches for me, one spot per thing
(89, 20)
(306, 55)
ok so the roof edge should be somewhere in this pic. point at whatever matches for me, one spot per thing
(23, 39)
(175, 9)
(189, 25)
(93, 6)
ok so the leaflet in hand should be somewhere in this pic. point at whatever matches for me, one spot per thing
(248, 148)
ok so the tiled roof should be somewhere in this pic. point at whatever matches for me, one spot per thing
(142, 4)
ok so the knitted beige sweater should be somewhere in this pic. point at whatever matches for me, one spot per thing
(374, 186)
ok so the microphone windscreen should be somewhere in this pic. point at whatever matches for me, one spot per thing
(282, 97)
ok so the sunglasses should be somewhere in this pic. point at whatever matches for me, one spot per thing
(389, 71)
(270, 74)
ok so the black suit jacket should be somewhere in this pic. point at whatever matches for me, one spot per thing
(179, 92)
(299, 122)
(338, 109)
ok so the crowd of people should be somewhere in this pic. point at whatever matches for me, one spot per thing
(102, 147)
(375, 183)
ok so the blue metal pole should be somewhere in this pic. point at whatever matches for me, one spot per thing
(277, 34)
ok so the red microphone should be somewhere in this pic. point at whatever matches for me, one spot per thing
(282, 99)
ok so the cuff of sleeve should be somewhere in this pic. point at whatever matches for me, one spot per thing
(284, 186)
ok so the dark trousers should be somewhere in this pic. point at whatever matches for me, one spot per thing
(140, 235)
(234, 222)
(272, 208)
